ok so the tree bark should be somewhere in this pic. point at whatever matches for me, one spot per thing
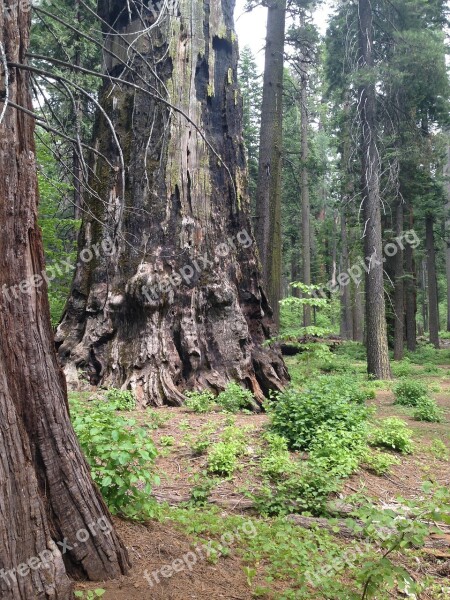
(399, 307)
(268, 192)
(377, 344)
(304, 180)
(345, 291)
(447, 230)
(178, 303)
(433, 309)
(46, 493)
(358, 313)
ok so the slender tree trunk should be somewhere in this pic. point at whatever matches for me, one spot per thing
(268, 192)
(377, 344)
(447, 230)
(433, 309)
(399, 307)
(423, 278)
(410, 290)
(358, 314)
(46, 493)
(304, 179)
(178, 304)
(345, 291)
(77, 115)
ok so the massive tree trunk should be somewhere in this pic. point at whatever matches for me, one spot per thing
(178, 302)
(46, 493)
(432, 281)
(377, 344)
(399, 306)
(268, 193)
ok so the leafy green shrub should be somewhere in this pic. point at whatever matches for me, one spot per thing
(307, 491)
(277, 462)
(408, 392)
(338, 451)
(379, 462)
(200, 402)
(121, 399)
(427, 410)
(222, 458)
(234, 398)
(120, 455)
(402, 368)
(428, 354)
(297, 415)
(394, 434)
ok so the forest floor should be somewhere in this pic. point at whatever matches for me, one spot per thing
(265, 556)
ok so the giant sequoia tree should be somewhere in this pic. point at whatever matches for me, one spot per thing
(178, 303)
(46, 494)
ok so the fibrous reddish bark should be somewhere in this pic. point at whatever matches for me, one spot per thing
(46, 493)
(178, 304)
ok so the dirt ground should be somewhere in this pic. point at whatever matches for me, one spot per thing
(154, 545)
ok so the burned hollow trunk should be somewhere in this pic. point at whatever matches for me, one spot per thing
(46, 493)
(167, 294)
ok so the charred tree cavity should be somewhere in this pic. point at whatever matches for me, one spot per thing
(175, 302)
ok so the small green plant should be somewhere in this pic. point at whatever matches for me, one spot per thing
(200, 402)
(121, 399)
(156, 419)
(276, 463)
(426, 409)
(167, 440)
(91, 594)
(408, 392)
(234, 398)
(439, 450)
(202, 442)
(120, 455)
(202, 489)
(222, 459)
(394, 434)
(379, 462)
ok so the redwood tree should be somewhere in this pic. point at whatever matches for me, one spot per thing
(46, 493)
(178, 304)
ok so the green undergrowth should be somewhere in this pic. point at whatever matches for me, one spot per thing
(283, 560)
